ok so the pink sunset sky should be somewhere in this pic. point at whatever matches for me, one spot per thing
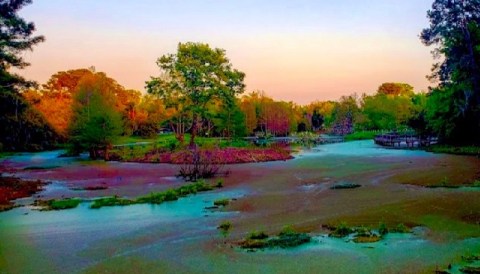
(297, 51)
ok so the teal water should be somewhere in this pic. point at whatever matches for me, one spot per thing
(181, 236)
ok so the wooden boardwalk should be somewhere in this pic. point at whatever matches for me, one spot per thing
(404, 140)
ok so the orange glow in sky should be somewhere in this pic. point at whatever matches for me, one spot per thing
(310, 50)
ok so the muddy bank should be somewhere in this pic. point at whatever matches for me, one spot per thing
(12, 188)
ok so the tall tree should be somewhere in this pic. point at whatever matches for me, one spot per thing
(453, 106)
(22, 127)
(196, 74)
(16, 36)
(96, 122)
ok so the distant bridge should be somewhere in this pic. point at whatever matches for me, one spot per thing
(404, 140)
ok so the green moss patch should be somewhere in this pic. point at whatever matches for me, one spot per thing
(154, 197)
(55, 204)
(287, 238)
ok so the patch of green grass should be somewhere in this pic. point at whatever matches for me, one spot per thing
(6, 154)
(110, 201)
(287, 238)
(361, 135)
(221, 202)
(60, 204)
(459, 150)
(154, 197)
(64, 204)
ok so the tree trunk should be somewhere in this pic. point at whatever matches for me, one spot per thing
(194, 130)
(93, 154)
(106, 157)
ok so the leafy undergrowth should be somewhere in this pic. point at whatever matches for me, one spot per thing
(287, 238)
(228, 155)
(54, 204)
(155, 197)
(13, 188)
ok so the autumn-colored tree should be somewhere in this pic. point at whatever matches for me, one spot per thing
(395, 89)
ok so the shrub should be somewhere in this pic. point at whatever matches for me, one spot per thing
(202, 165)
(382, 229)
(147, 129)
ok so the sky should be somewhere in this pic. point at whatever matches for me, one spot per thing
(298, 51)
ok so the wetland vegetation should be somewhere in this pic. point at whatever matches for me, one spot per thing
(99, 178)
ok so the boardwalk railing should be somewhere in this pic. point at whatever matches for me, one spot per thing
(404, 140)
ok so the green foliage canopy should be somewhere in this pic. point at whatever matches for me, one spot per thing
(194, 77)
(96, 123)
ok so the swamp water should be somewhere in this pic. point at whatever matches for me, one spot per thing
(181, 236)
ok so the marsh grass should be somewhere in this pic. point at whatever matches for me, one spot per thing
(221, 202)
(287, 238)
(61, 204)
(154, 197)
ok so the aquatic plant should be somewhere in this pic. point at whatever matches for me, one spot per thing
(111, 201)
(345, 186)
(401, 228)
(221, 202)
(257, 235)
(382, 229)
(154, 197)
(342, 230)
(287, 238)
(225, 228)
(219, 183)
(60, 204)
